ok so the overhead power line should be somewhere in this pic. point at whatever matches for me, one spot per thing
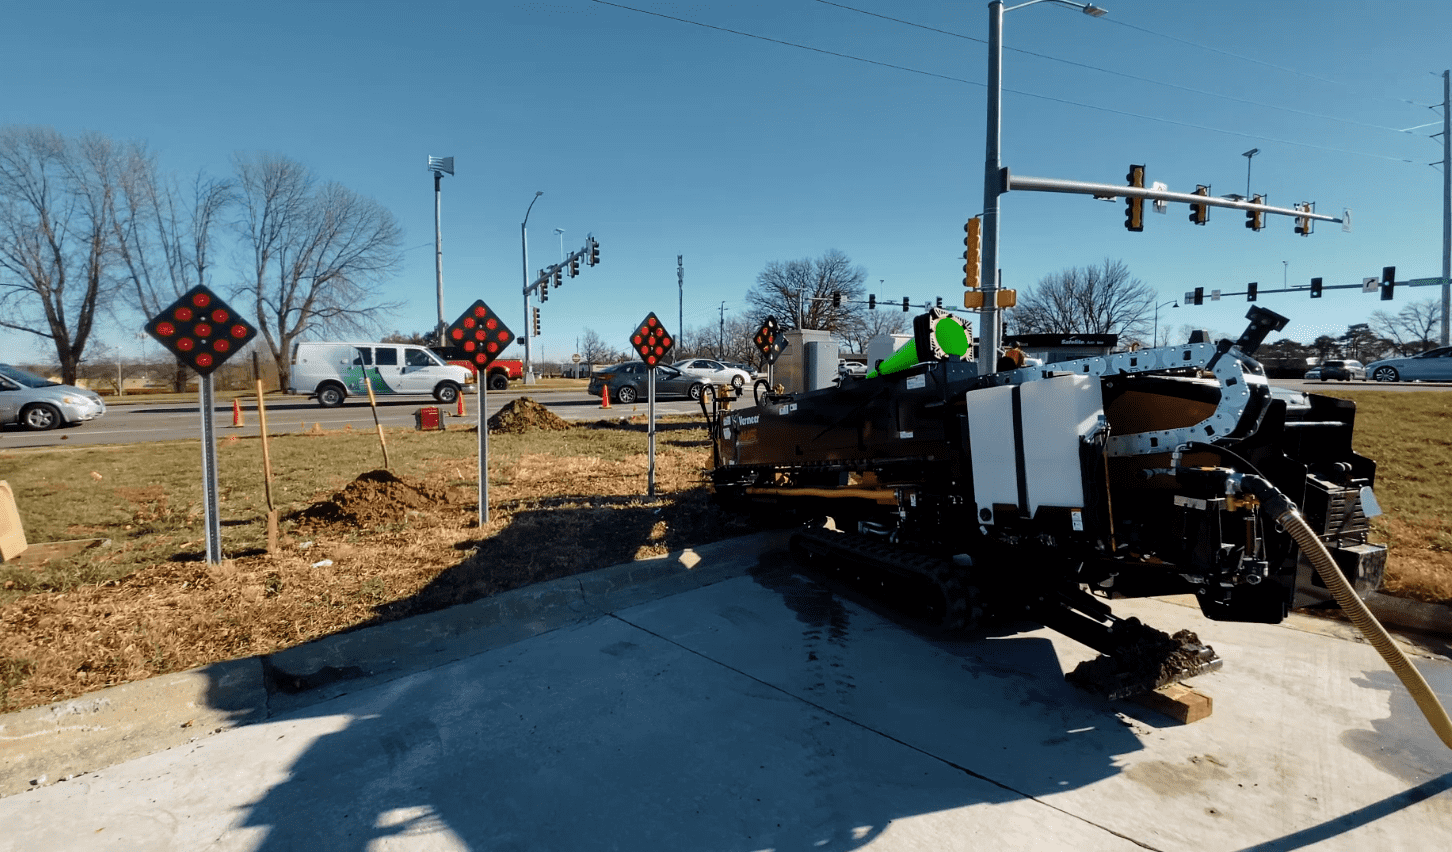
(1165, 83)
(784, 43)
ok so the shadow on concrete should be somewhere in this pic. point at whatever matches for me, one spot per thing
(772, 714)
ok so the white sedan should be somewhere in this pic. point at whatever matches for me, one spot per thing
(714, 372)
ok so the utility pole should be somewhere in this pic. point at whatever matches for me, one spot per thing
(1446, 203)
(721, 343)
(681, 286)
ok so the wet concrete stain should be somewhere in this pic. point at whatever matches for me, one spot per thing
(1178, 779)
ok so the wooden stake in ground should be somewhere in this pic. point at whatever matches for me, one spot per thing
(373, 404)
(266, 460)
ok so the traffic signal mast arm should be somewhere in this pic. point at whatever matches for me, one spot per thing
(1112, 190)
(570, 266)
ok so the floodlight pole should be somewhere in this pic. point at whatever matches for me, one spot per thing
(439, 165)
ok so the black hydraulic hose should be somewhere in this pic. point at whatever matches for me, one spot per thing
(1280, 507)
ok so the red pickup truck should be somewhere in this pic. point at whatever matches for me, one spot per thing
(500, 373)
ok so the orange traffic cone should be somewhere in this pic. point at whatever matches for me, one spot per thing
(236, 414)
(605, 397)
(461, 404)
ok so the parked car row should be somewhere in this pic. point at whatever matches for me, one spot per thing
(1434, 365)
(690, 378)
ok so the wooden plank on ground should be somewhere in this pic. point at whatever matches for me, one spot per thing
(1177, 701)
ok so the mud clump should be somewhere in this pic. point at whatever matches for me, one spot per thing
(526, 415)
(1147, 659)
(377, 497)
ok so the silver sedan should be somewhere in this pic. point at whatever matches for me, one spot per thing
(37, 403)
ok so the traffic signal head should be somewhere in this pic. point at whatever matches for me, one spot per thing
(544, 289)
(594, 251)
(1303, 223)
(1251, 290)
(836, 300)
(972, 252)
(940, 302)
(651, 341)
(559, 276)
(1315, 288)
(872, 301)
(536, 322)
(482, 334)
(769, 340)
(1255, 219)
(1199, 295)
(574, 266)
(1388, 282)
(904, 304)
(1200, 213)
(201, 330)
(1134, 206)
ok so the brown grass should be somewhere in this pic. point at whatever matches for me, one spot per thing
(364, 549)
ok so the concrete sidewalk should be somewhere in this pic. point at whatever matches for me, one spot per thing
(43, 745)
(760, 710)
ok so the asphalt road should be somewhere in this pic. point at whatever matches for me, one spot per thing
(130, 423)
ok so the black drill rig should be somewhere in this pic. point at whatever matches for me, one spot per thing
(1042, 492)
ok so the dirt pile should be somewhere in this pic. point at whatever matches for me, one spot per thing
(379, 497)
(526, 415)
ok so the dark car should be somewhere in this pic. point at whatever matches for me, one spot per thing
(1434, 365)
(1342, 371)
(627, 382)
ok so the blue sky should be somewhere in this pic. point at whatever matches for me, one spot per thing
(666, 138)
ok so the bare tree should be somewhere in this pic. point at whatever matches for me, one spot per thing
(1413, 329)
(57, 249)
(595, 350)
(315, 249)
(163, 237)
(817, 294)
(1103, 299)
(873, 323)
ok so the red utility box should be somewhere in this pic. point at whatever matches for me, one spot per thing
(429, 419)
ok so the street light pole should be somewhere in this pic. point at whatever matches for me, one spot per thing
(1157, 318)
(524, 249)
(1247, 155)
(988, 333)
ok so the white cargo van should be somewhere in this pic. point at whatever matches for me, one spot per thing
(332, 372)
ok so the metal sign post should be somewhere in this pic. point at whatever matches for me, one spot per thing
(482, 335)
(209, 472)
(483, 427)
(652, 343)
(650, 432)
(202, 331)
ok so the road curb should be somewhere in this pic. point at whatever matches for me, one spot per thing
(43, 745)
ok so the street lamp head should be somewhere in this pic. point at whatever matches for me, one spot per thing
(539, 193)
(1251, 153)
(441, 164)
(1094, 11)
